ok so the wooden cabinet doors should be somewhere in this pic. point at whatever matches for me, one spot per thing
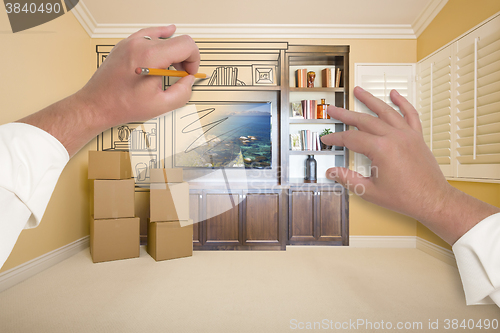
(195, 204)
(224, 213)
(251, 219)
(262, 220)
(317, 216)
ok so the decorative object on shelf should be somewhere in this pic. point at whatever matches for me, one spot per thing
(311, 170)
(264, 75)
(328, 77)
(225, 76)
(310, 79)
(326, 131)
(297, 110)
(309, 108)
(301, 78)
(123, 133)
(295, 142)
(321, 110)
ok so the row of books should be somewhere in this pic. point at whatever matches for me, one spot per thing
(330, 77)
(305, 140)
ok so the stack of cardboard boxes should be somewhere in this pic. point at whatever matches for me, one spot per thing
(114, 229)
(170, 232)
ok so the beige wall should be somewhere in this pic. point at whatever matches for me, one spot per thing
(456, 18)
(41, 66)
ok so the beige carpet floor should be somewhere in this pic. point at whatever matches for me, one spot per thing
(330, 288)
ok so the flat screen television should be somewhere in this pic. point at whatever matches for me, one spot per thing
(230, 130)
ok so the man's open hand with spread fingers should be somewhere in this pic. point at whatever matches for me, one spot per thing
(405, 175)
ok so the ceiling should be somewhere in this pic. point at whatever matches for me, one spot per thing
(259, 18)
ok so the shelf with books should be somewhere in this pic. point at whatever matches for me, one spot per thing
(307, 97)
(314, 76)
(317, 204)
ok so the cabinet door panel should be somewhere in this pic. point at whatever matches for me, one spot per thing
(302, 215)
(194, 214)
(330, 214)
(223, 225)
(262, 217)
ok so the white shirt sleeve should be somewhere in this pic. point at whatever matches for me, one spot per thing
(31, 161)
(478, 259)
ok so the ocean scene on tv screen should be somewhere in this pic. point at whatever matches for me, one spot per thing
(223, 135)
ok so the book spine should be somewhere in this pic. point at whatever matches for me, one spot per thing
(337, 78)
(301, 78)
(326, 78)
(314, 106)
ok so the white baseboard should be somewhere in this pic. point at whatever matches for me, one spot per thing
(408, 242)
(22, 272)
(436, 251)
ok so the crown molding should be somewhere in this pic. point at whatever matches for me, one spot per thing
(427, 15)
(85, 18)
(283, 31)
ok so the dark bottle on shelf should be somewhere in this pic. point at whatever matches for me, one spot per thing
(311, 172)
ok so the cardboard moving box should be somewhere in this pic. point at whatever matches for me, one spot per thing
(169, 240)
(114, 239)
(174, 175)
(113, 198)
(169, 202)
(109, 165)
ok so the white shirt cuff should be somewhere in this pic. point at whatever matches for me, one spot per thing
(478, 259)
(32, 161)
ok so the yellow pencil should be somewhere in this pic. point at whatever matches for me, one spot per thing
(167, 72)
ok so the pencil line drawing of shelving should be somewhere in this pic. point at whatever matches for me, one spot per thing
(237, 70)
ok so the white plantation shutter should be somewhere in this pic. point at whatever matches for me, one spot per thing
(434, 105)
(477, 73)
(379, 80)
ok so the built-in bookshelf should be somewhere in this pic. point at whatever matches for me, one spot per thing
(301, 128)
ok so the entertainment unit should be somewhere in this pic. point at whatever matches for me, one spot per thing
(247, 187)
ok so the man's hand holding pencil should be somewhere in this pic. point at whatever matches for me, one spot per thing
(117, 95)
(125, 96)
